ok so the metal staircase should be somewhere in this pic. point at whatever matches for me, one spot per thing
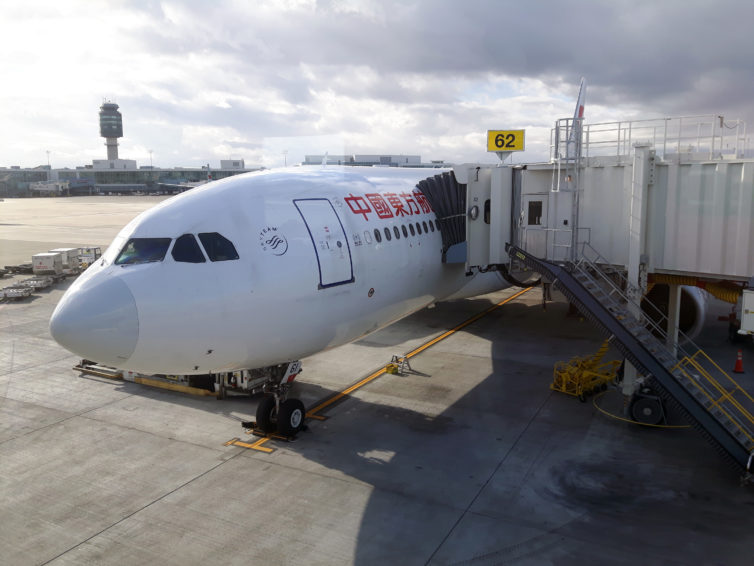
(712, 402)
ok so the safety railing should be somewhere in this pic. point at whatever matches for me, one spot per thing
(650, 316)
(553, 244)
(702, 137)
(720, 398)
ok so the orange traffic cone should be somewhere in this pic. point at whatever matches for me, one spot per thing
(739, 363)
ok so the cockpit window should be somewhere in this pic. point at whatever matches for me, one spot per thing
(187, 250)
(143, 250)
(218, 247)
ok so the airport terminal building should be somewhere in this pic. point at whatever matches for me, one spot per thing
(110, 176)
(122, 176)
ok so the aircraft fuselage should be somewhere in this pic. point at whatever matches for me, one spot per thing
(317, 258)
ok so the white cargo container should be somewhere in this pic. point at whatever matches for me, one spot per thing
(70, 259)
(47, 263)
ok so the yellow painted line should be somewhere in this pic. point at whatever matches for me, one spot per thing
(253, 445)
(379, 372)
(174, 386)
(617, 418)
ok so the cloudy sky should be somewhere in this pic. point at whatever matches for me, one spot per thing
(199, 81)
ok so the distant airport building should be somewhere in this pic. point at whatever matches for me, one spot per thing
(114, 163)
(17, 182)
(371, 160)
(232, 164)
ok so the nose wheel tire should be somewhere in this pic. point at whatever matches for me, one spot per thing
(291, 417)
(266, 416)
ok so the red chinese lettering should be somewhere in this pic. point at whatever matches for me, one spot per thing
(358, 205)
(411, 203)
(379, 205)
(398, 207)
(422, 200)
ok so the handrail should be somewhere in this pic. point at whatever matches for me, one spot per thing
(661, 317)
(706, 136)
(721, 370)
(643, 318)
(715, 403)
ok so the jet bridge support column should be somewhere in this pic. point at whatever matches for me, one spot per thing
(637, 245)
(674, 311)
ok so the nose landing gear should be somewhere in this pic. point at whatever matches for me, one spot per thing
(276, 413)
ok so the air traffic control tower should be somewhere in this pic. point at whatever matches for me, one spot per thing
(110, 127)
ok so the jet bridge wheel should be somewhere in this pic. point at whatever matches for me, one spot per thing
(291, 417)
(648, 410)
(266, 416)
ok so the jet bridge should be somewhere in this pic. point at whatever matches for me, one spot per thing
(672, 196)
(669, 201)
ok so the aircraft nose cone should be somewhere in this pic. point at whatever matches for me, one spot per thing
(98, 321)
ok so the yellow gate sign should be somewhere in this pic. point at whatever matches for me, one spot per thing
(505, 140)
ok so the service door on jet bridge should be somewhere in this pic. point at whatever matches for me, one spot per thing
(329, 240)
(533, 224)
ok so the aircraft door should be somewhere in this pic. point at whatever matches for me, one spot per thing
(329, 241)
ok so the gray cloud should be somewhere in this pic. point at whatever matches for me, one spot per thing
(392, 72)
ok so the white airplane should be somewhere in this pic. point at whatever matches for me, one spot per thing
(257, 271)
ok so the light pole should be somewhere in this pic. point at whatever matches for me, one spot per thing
(150, 158)
(285, 157)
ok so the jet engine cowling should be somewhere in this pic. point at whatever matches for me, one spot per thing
(693, 309)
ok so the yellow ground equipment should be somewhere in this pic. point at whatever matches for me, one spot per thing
(582, 376)
(398, 366)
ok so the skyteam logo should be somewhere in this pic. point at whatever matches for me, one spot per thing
(273, 241)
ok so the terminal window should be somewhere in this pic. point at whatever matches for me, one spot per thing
(535, 213)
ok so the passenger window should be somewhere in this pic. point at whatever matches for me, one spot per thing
(405, 232)
(419, 228)
(397, 233)
(367, 237)
(432, 226)
(143, 250)
(218, 247)
(411, 227)
(377, 235)
(437, 223)
(426, 230)
(187, 250)
(388, 237)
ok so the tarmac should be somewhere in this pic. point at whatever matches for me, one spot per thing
(468, 459)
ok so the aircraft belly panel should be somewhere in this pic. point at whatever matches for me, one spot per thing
(329, 240)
